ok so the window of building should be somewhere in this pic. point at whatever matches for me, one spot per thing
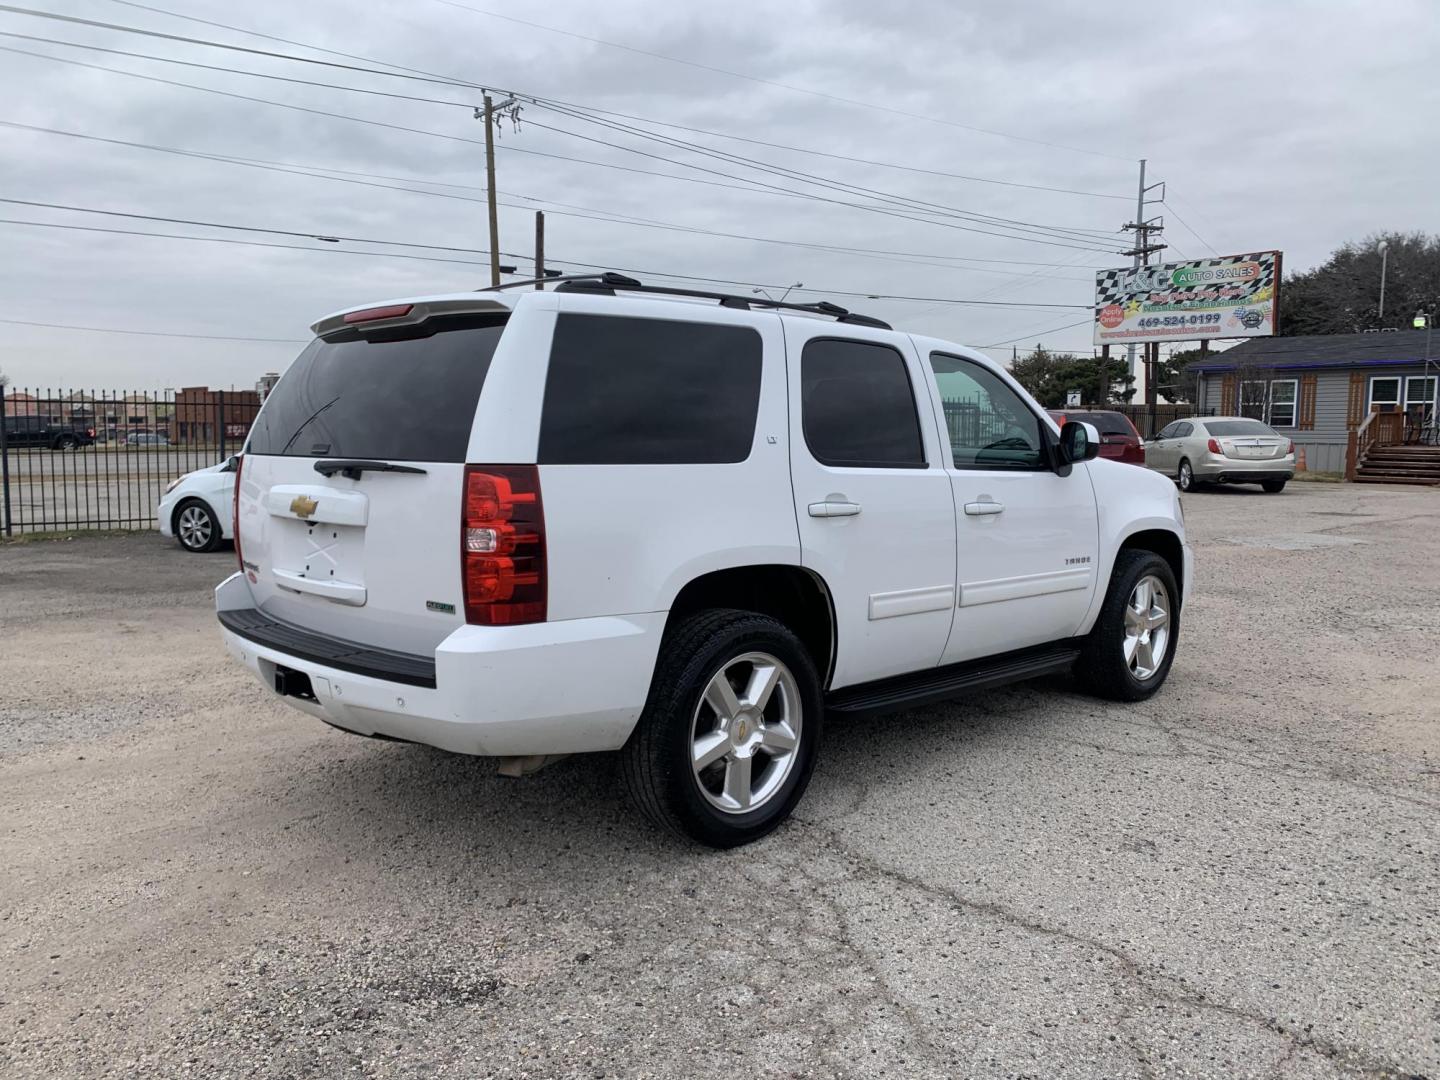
(1420, 392)
(857, 407)
(989, 426)
(628, 391)
(1283, 394)
(1253, 399)
(1384, 393)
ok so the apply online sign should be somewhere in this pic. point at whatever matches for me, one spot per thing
(1228, 297)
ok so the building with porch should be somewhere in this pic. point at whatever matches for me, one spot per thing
(1361, 404)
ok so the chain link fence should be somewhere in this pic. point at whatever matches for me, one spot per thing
(88, 459)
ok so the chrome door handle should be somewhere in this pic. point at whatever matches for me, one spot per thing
(982, 509)
(833, 508)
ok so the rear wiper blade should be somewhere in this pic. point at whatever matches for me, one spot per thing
(351, 468)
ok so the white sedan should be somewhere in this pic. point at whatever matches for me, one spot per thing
(197, 509)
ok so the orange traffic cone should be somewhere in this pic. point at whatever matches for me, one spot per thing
(1300, 459)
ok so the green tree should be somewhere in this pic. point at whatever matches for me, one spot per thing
(1051, 376)
(1173, 378)
(1342, 295)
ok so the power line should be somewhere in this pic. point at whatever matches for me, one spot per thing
(818, 93)
(1040, 333)
(1188, 229)
(233, 70)
(855, 160)
(469, 251)
(319, 172)
(905, 201)
(451, 80)
(759, 187)
(154, 333)
(575, 111)
(900, 201)
(786, 86)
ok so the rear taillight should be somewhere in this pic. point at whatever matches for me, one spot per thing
(235, 511)
(1214, 447)
(90, 432)
(502, 545)
(1134, 453)
(1291, 448)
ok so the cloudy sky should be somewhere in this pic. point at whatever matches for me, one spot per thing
(1293, 125)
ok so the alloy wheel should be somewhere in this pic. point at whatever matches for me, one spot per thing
(194, 527)
(745, 734)
(1147, 627)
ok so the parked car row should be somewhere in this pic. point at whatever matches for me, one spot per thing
(1198, 449)
(39, 431)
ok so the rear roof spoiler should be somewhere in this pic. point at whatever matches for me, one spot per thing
(411, 314)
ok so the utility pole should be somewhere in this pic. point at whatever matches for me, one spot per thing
(539, 250)
(489, 112)
(1384, 257)
(1144, 248)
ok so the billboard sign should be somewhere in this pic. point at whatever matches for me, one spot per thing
(1228, 297)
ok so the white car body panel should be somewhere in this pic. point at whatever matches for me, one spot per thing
(210, 485)
(896, 556)
(623, 539)
(1026, 574)
(914, 581)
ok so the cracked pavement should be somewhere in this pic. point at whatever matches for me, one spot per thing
(1239, 878)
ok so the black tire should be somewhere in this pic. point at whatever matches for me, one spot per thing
(1102, 668)
(196, 542)
(656, 762)
(1273, 487)
(1185, 476)
(66, 442)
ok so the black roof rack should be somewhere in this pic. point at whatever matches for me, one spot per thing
(606, 284)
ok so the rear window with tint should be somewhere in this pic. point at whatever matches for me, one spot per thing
(1238, 427)
(628, 391)
(401, 395)
(856, 406)
(1107, 423)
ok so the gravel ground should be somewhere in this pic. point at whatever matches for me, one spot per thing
(1239, 878)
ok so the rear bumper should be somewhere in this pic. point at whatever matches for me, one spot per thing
(1223, 470)
(545, 688)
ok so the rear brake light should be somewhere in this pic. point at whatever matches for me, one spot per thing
(394, 311)
(1291, 448)
(235, 511)
(502, 545)
(1214, 447)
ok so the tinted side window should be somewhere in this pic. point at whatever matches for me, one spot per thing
(1168, 431)
(990, 427)
(626, 391)
(1183, 430)
(857, 407)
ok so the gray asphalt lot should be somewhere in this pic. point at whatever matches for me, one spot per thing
(1240, 878)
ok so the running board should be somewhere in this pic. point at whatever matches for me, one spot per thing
(953, 680)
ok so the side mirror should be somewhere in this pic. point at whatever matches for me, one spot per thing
(1079, 441)
(230, 463)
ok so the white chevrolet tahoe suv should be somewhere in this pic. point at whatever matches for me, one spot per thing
(680, 525)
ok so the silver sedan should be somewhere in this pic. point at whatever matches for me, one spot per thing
(1222, 450)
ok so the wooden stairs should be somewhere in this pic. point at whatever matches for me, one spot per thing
(1398, 463)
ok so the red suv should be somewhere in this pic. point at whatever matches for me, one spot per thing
(1118, 437)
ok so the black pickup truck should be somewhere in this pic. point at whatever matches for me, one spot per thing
(38, 431)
